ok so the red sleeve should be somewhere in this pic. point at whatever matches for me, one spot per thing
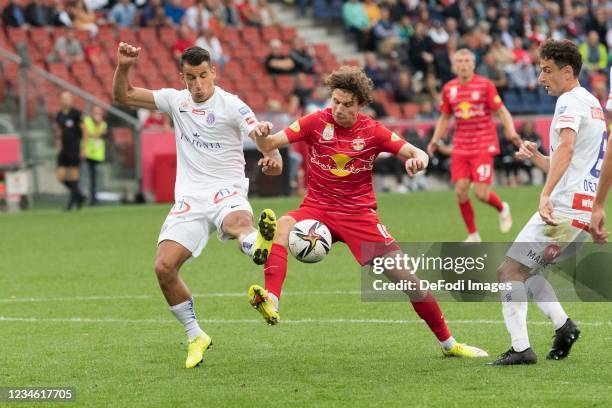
(493, 98)
(387, 140)
(445, 106)
(301, 129)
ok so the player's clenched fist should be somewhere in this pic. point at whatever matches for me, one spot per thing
(263, 129)
(271, 166)
(127, 54)
(526, 151)
(413, 166)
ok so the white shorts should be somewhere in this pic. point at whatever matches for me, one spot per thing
(539, 244)
(192, 219)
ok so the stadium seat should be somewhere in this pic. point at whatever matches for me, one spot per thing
(269, 33)
(16, 36)
(147, 37)
(39, 36)
(410, 110)
(167, 36)
(512, 101)
(128, 35)
(288, 34)
(106, 35)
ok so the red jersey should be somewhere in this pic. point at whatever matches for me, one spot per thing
(340, 159)
(471, 105)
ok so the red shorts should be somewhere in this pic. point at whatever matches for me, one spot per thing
(477, 168)
(363, 233)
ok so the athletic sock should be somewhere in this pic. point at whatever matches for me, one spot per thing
(514, 308)
(185, 314)
(494, 201)
(430, 312)
(544, 296)
(467, 212)
(248, 241)
(275, 270)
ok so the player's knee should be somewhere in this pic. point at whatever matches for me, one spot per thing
(165, 270)
(283, 228)
(481, 193)
(509, 271)
(462, 192)
(237, 223)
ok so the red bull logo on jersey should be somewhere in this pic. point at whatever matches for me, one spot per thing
(358, 144)
(340, 164)
(467, 110)
(475, 95)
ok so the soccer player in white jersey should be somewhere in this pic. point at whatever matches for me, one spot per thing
(577, 146)
(598, 219)
(211, 188)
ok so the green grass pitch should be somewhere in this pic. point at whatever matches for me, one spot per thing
(80, 307)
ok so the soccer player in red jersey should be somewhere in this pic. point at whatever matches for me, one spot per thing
(471, 99)
(342, 145)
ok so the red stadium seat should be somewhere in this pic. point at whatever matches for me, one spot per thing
(147, 37)
(16, 36)
(39, 36)
(82, 35)
(106, 35)
(269, 33)
(167, 36)
(250, 34)
(410, 110)
(127, 35)
(288, 33)
(285, 84)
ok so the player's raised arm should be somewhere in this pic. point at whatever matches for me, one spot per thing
(123, 92)
(264, 141)
(509, 130)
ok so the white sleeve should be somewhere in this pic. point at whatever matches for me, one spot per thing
(569, 114)
(609, 103)
(244, 116)
(163, 99)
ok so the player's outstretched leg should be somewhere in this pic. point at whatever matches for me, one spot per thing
(266, 232)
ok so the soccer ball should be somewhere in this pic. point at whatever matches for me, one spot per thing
(309, 241)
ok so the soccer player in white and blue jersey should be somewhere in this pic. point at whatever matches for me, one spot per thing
(577, 146)
(211, 187)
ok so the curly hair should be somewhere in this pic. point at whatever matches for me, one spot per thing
(562, 53)
(353, 80)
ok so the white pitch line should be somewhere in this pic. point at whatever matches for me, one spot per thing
(147, 297)
(259, 321)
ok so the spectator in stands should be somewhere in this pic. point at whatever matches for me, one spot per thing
(394, 67)
(67, 49)
(426, 110)
(403, 30)
(432, 88)
(197, 16)
(83, 19)
(123, 13)
(373, 11)
(249, 14)
(267, 14)
(376, 109)
(303, 88)
(594, 54)
(450, 26)
(375, 71)
(38, 14)
(175, 11)
(93, 52)
(302, 56)
(492, 70)
(402, 90)
(96, 130)
(506, 161)
(598, 21)
(502, 30)
(383, 33)
(230, 15)
(156, 17)
(156, 120)
(209, 41)
(420, 49)
(319, 99)
(468, 21)
(439, 37)
(503, 55)
(98, 5)
(14, 15)
(185, 39)
(277, 62)
(519, 53)
(523, 76)
(356, 21)
(59, 15)
(68, 134)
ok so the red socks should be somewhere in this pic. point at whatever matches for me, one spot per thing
(275, 269)
(494, 201)
(428, 310)
(467, 212)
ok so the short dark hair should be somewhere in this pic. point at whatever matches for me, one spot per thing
(351, 79)
(194, 56)
(562, 53)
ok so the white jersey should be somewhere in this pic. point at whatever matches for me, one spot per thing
(209, 139)
(609, 103)
(573, 195)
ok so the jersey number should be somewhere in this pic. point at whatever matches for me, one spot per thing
(484, 171)
(602, 151)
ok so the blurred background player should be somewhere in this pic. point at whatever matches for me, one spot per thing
(68, 135)
(598, 219)
(343, 144)
(211, 187)
(577, 146)
(471, 99)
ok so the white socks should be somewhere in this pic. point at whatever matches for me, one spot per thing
(448, 343)
(186, 315)
(514, 308)
(544, 296)
(247, 243)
